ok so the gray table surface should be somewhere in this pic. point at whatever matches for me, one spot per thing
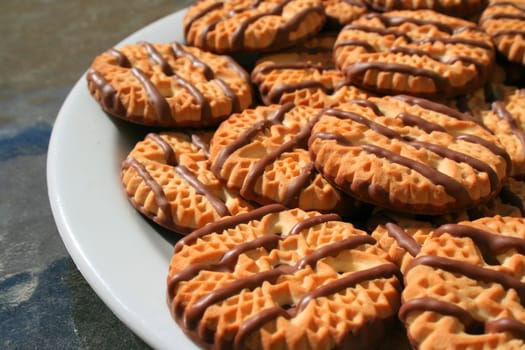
(45, 303)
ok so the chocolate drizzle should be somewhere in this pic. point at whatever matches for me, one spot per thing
(403, 239)
(160, 105)
(502, 113)
(108, 95)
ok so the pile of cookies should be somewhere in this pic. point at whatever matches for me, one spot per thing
(342, 173)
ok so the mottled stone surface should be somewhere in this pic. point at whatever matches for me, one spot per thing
(46, 46)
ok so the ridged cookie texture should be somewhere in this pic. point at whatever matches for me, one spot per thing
(262, 154)
(304, 75)
(168, 85)
(282, 279)
(465, 288)
(341, 12)
(251, 25)
(504, 20)
(421, 52)
(167, 178)
(408, 154)
(457, 8)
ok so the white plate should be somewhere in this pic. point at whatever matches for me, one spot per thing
(123, 257)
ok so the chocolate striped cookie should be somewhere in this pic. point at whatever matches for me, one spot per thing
(465, 288)
(168, 85)
(167, 178)
(251, 25)
(421, 52)
(408, 154)
(504, 20)
(282, 279)
(304, 75)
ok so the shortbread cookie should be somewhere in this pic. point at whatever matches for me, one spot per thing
(409, 155)
(282, 279)
(341, 12)
(504, 20)
(251, 25)
(305, 75)
(168, 85)
(465, 288)
(506, 119)
(262, 154)
(457, 8)
(167, 178)
(420, 53)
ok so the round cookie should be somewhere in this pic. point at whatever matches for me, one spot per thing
(251, 25)
(421, 53)
(465, 288)
(282, 279)
(504, 20)
(262, 154)
(457, 8)
(304, 75)
(168, 85)
(408, 154)
(167, 178)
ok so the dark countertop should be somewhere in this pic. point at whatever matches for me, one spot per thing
(45, 302)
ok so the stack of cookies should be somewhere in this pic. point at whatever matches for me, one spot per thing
(341, 174)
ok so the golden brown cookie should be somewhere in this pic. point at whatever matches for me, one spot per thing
(251, 25)
(457, 8)
(409, 155)
(304, 75)
(168, 85)
(282, 279)
(504, 20)
(421, 52)
(262, 154)
(465, 288)
(167, 178)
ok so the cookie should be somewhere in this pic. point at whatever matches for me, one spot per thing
(305, 75)
(505, 22)
(167, 178)
(341, 12)
(251, 25)
(282, 279)
(457, 8)
(506, 119)
(261, 153)
(168, 85)
(421, 53)
(409, 155)
(465, 288)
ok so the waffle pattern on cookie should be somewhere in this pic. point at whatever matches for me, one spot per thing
(408, 154)
(341, 12)
(505, 22)
(414, 52)
(251, 25)
(282, 279)
(305, 75)
(168, 85)
(465, 288)
(167, 178)
(262, 154)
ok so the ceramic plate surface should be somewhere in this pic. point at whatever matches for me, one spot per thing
(121, 255)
